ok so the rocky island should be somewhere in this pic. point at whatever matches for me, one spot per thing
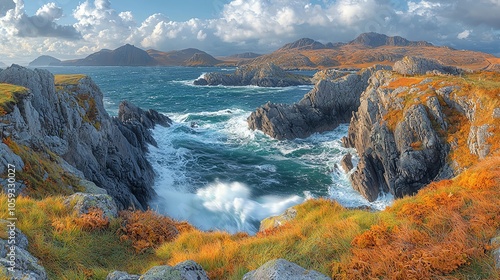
(265, 75)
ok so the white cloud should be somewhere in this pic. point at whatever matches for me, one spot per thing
(464, 35)
(248, 25)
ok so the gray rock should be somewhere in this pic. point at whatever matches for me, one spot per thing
(120, 275)
(83, 202)
(72, 123)
(281, 269)
(328, 104)
(25, 265)
(399, 161)
(276, 221)
(188, 270)
(495, 242)
(264, 75)
(421, 65)
(91, 188)
(496, 113)
(346, 163)
(478, 140)
(8, 157)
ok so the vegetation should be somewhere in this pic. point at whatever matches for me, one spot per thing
(10, 95)
(443, 232)
(74, 79)
(42, 173)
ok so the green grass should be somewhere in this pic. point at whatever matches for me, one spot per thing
(9, 96)
(73, 79)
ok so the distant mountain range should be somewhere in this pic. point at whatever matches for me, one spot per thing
(369, 49)
(365, 50)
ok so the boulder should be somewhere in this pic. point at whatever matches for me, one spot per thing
(120, 275)
(281, 269)
(188, 270)
(83, 202)
(26, 265)
(495, 242)
(346, 163)
(277, 221)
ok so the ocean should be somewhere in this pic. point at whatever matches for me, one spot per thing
(211, 169)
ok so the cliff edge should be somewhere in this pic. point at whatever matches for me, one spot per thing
(64, 119)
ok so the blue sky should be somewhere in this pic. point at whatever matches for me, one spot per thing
(76, 28)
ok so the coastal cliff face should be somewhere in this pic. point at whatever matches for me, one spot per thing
(65, 117)
(410, 131)
(263, 75)
(331, 102)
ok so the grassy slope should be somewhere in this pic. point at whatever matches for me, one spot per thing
(443, 231)
(9, 95)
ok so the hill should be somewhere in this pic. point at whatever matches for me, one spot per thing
(369, 49)
(126, 55)
(185, 57)
(44, 60)
(246, 55)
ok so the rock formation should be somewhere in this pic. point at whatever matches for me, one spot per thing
(330, 103)
(405, 153)
(188, 270)
(265, 75)
(410, 65)
(70, 121)
(281, 269)
(25, 265)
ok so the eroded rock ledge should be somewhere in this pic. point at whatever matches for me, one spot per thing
(263, 75)
(69, 120)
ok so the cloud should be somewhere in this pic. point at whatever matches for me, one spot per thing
(251, 25)
(464, 35)
(16, 22)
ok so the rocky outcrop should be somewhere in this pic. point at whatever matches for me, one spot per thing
(399, 160)
(188, 270)
(330, 103)
(277, 221)
(71, 122)
(421, 66)
(281, 269)
(263, 75)
(15, 260)
(495, 243)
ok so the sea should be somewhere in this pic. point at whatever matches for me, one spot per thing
(212, 170)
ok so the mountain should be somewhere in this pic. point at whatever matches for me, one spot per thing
(126, 55)
(375, 40)
(186, 57)
(202, 59)
(303, 44)
(44, 60)
(246, 55)
(367, 50)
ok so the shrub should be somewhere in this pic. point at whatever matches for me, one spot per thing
(149, 229)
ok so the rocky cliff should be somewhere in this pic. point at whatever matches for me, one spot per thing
(64, 117)
(331, 102)
(409, 131)
(264, 75)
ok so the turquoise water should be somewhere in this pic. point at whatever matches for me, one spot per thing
(212, 170)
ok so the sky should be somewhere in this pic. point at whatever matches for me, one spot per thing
(70, 29)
